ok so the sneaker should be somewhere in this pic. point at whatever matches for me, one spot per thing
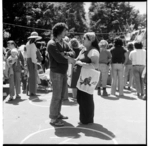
(105, 93)
(99, 91)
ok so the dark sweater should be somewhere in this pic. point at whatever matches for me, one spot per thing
(58, 63)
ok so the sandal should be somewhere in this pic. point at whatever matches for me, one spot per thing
(57, 123)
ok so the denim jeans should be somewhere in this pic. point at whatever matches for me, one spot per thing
(117, 75)
(59, 83)
(137, 72)
(104, 69)
(128, 71)
(15, 83)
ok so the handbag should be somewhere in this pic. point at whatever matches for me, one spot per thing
(88, 80)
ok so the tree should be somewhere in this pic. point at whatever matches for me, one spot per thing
(42, 15)
(113, 16)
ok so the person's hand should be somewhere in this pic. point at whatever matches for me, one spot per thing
(71, 60)
(79, 62)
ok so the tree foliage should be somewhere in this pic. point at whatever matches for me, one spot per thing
(43, 15)
(115, 17)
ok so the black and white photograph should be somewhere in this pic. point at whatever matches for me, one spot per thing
(74, 72)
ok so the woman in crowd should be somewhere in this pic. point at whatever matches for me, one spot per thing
(32, 63)
(75, 45)
(119, 58)
(15, 63)
(128, 68)
(105, 58)
(88, 58)
(138, 58)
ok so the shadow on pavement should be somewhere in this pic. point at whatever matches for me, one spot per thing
(110, 98)
(97, 127)
(44, 91)
(36, 99)
(127, 97)
(67, 132)
(91, 130)
(15, 101)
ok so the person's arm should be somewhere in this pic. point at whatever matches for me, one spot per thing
(56, 54)
(21, 58)
(126, 57)
(69, 51)
(94, 56)
(33, 53)
(109, 57)
(39, 55)
(130, 56)
(8, 54)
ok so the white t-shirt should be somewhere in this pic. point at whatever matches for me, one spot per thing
(31, 52)
(138, 57)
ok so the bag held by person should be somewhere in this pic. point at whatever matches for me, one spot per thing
(88, 80)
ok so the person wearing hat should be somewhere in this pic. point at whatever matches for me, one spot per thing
(31, 50)
(89, 59)
(58, 51)
(105, 58)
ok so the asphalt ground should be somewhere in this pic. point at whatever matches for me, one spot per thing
(120, 120)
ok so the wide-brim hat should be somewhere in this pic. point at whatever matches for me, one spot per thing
(34, 35)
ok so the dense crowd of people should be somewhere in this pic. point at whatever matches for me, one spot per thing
(124, 64)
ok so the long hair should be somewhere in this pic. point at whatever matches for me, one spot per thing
(95, 44)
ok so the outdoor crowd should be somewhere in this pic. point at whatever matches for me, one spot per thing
(124, 64)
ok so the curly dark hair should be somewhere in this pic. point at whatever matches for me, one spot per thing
(130, 46)
(138, 45)
(118, 42)
(58, 28)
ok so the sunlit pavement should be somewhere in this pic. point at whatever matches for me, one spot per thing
(120, 120)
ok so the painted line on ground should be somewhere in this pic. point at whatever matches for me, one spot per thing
(30, 135)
